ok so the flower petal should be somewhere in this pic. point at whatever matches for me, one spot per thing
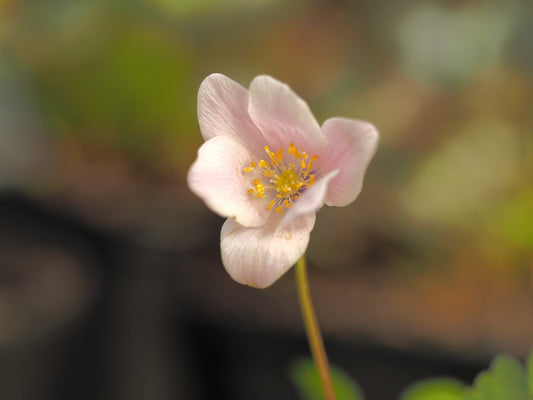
(259, 256)
(311, 201)
(353, 143)
(217, 178)
(223, 110)
(282, 116)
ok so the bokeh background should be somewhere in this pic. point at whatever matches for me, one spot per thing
(111, 284)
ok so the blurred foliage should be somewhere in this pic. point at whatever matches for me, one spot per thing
(435, 389)
(304, 375)
(506, 379)
(444, 44)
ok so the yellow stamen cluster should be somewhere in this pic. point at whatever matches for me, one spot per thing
(282, 180)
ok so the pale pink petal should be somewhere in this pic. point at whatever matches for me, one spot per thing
(223, 110)
(283, 117)
(353, 143)
(259, 256)
(311, 200)
(217, 178)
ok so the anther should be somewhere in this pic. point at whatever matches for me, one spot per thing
(280, 180)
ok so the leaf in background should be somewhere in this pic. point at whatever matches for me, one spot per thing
(505, 380)
(435, 389)
(513, 221)
(304, 375)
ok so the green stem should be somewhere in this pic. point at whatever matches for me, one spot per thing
(313, 330)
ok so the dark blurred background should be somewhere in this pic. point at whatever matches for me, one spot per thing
(111, 284)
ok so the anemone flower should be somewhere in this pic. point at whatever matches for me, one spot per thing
(268, 167)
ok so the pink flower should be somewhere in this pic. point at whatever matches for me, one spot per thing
(268, 167)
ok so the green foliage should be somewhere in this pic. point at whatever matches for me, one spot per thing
(513, 221)
(304, 375)
(505, 380)
(435, 389)
(131, 90)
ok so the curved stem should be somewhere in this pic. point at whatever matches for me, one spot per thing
(313, 330)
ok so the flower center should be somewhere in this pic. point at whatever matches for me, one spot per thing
(281, 180)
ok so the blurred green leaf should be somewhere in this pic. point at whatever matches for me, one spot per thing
(513, 221)
(505, 380)
(133, 89)
(304, 375)
(435, 389)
